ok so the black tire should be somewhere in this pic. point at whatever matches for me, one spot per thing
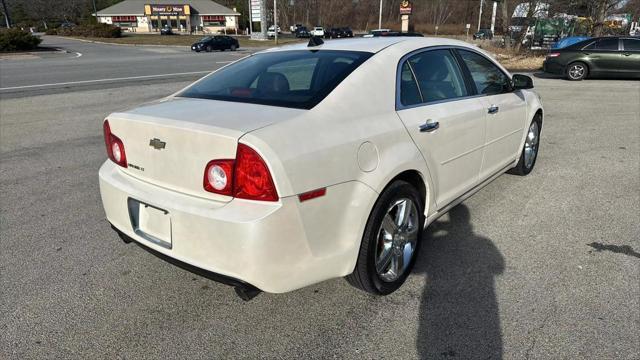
(365, 276)
(208, 48)
(521, 168)
(573, 71)
(233, 47)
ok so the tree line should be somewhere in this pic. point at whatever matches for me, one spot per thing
(449, 16)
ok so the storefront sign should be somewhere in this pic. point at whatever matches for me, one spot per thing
(256, 11)
(167, 9)
(405, 7)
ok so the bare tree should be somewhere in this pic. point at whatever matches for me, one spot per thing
(604, 8)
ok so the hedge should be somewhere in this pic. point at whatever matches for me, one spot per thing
(17, 40)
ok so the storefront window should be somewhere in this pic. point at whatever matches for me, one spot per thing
(213, 20)
(124, 21)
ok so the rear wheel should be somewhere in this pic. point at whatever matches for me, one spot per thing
(530, 150)
(577, 71)
(233, 47)
(391, 240)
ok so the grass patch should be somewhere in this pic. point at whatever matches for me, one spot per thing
(184, 40)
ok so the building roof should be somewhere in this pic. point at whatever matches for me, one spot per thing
(136, 7)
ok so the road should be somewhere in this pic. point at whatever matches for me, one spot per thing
(538, 267)
(99, 65)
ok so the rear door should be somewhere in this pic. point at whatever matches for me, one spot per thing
(630, 56)
(604, 55)
(444, 120)
(505, 111)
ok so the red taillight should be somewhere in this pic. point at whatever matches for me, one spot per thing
(552, 55)
(115, 147)
(246, 177)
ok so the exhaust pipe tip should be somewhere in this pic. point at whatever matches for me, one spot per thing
(247, 293)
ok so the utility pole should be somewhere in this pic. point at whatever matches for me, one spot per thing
(5, 10)
(480, 15)
(380, 17)
(95, 10)
(275, 20)
(250, 11)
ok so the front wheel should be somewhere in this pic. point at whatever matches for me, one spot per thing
(530, 150)
(209, 48)
(391, 240)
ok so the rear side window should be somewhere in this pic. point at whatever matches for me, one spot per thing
(488, 78)
(431, 76)
(610, 44)
(631, 44)
(296, 79)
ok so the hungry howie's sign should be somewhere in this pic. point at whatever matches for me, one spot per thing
(166, 9)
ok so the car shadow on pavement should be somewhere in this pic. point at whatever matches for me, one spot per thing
(544, 75)
(459, 315)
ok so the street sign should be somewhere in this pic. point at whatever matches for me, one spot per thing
(405, 7)
(468, 26)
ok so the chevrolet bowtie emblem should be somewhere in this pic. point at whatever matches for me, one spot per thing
(157, 143)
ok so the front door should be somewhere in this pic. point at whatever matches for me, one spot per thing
(505, 110)
(446, 124)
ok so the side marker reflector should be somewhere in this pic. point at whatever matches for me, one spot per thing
(312, 194)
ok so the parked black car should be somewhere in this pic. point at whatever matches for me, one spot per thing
(302, 32)
(483, 34)
(342, 32)
(217, 42)
(598, 57)
(166, 30)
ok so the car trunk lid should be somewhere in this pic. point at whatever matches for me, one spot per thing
(169, 143)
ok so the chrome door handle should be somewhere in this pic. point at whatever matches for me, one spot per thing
(493, 109)
(429, 126)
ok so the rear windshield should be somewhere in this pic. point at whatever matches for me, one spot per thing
(296, 79)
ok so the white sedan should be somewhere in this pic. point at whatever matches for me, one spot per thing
(318, 31)
(301, 164)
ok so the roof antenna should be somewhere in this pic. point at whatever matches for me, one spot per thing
(315, 41)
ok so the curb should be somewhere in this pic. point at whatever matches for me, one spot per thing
(188, 47)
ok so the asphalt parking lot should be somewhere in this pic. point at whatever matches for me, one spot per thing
(539, 267)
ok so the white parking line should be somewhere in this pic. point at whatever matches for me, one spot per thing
(104, 80)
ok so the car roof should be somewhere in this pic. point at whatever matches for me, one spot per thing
(375, 44)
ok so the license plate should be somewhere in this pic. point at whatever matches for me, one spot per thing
(151, 223)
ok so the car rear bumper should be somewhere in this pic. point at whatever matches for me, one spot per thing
(276, 247)
(553, 67)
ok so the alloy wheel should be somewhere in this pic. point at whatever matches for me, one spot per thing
(397, 239)
(531, 145)
(577, 71)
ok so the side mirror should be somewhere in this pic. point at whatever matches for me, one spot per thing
(522, 82)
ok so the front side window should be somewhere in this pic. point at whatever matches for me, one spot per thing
(297, 79)
(437, 76)
(487, 77)
(631, 44)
